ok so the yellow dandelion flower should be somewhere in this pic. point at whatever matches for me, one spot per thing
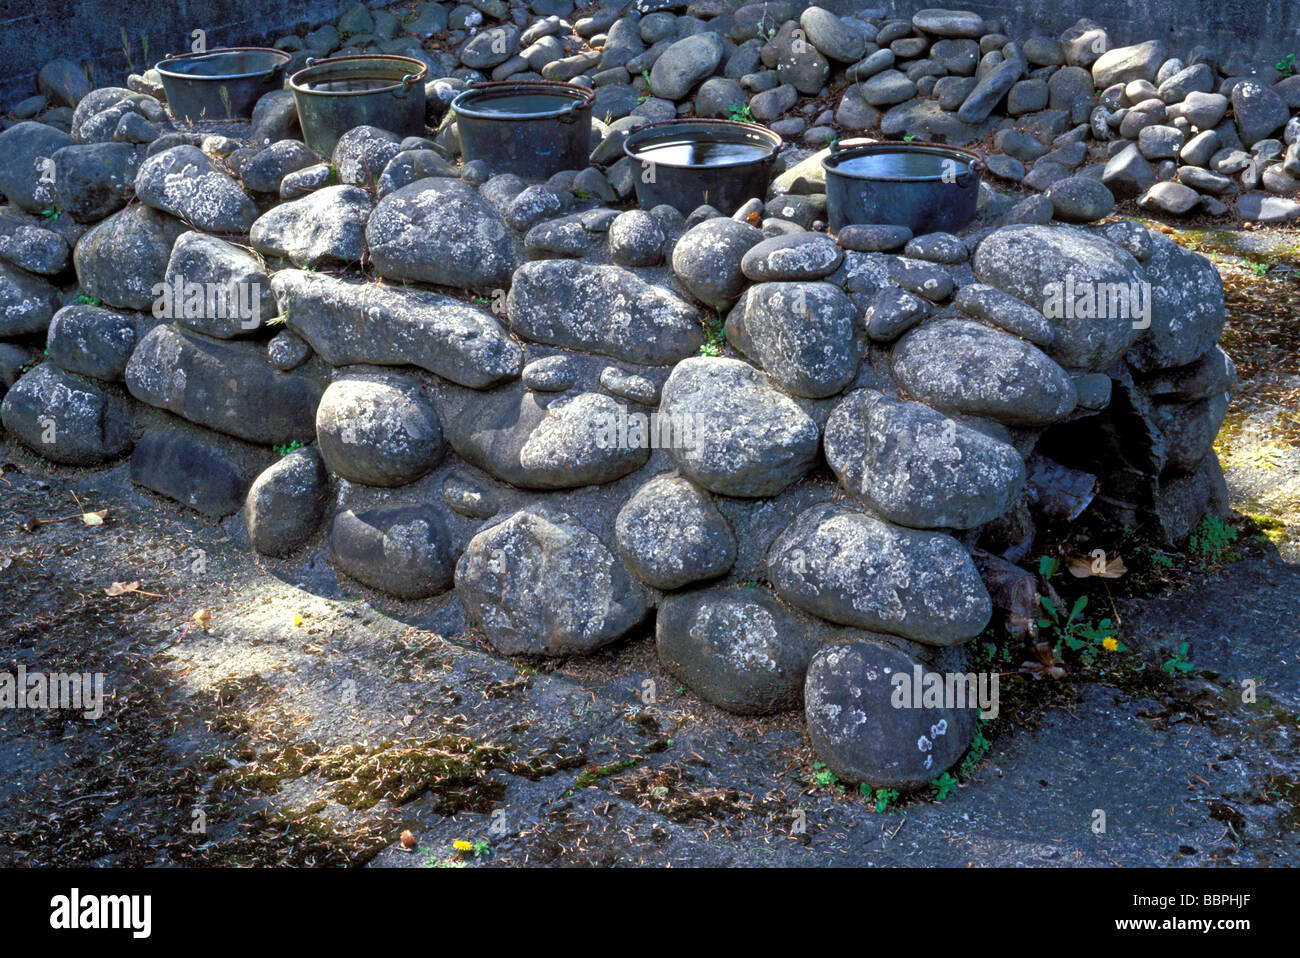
(1110, 644)
(297, 619)
(462, 846)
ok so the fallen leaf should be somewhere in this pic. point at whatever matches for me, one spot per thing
(408, 840)
(204, 618)
(1082, 568)
(1044, 664)
(31, 523)
(94, 518)
(122, 588)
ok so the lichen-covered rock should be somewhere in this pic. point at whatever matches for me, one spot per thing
(225, 386)
(31, 247)
(735, 433)
(398, 548)
(286, 502)
(325, 227)
(855, 569)
(26, 162)
(265, 171)
(367, 323)
(1002, 309)
(738, 648)
(685, 63)
(439, 230)
(540, 583)
(122, 260)
(378, 430)
(544, 441)
(636, 238)
(892, 312)
(27, 302)
(602, 309)
(215, 287)
(671, 534)
(184, 182)
(803, 335)
(795, 256)
(93, 180)
(917, 467)
(65, 417)
(1092, 290)
(1186, 302)
(859, 731)
(707, 259)
(965, 368)
(362, 153)
(91, 341)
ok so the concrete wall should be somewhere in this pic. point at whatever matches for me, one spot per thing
(89, 31)
(33, 32)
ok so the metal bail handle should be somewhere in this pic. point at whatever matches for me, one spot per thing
(971, 173)
(406, 85)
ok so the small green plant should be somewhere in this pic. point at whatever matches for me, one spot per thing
(85, 299)
(1178, 664)
(822, 776)
(880, 798)
(1160, 561)
(1077, 633)
(909, 138)
(714, 337)
(287, 448)
(1212, 541)
(944, 786)
(50, 213)
(979, 747)
(1286, 66)
(645, 75)
(126, 50)
(593, 775)
(482, 849)
(224, 94)
(741, 113)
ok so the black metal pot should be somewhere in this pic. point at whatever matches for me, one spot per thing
(927, 187)
(533, 129)
(337, 94)
(222, 84)
(687, 163)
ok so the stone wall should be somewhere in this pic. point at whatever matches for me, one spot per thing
(90, 31)
(1266, 28)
